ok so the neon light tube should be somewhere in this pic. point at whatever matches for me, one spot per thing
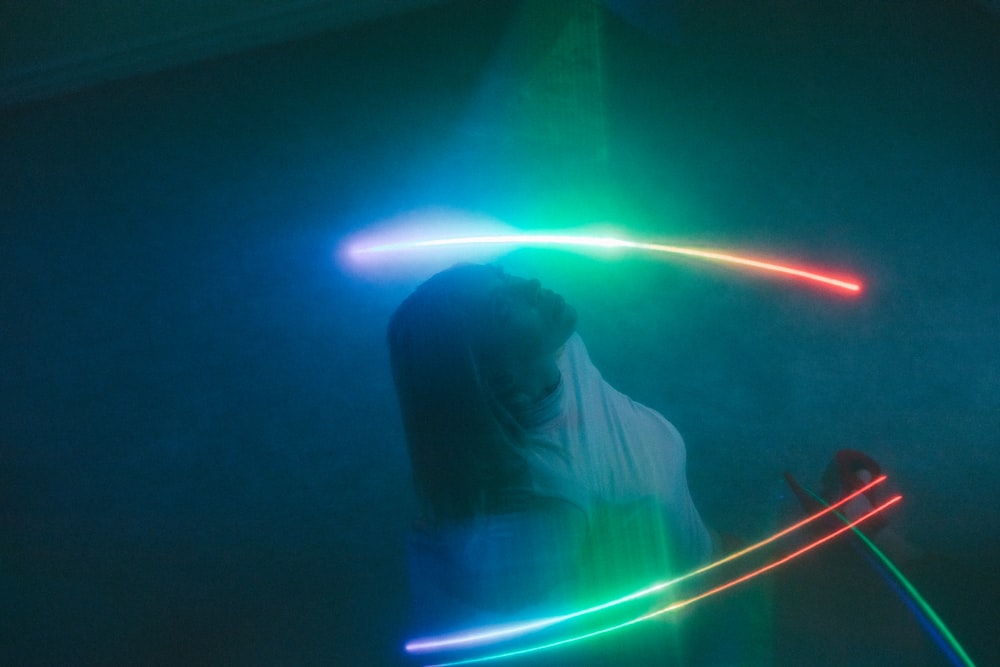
(569, 240)
(958, 654)
(683, 603)
(496, 633)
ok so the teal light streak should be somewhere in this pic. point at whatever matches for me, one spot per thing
(568, 240)
(910, 589)
(497, 633)
(683, 603)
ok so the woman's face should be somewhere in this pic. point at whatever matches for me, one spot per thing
(528, 321)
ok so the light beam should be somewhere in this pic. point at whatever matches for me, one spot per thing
(682, 603)
(497, 633)
(360, 252)
(946, 640)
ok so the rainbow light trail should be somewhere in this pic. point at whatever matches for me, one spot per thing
(569, 240)
(498, 633)
(957, 654)
(683, 603)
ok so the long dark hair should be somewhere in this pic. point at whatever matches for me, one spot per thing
(466, 448)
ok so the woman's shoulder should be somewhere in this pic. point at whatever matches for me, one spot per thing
(574, 359)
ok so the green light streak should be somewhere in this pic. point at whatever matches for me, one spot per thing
(682, 603)
(569, 240)
(911, 590)
(497, 633)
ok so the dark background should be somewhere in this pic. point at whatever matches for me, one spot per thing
(200, 454)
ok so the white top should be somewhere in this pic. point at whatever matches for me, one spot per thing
(613, 451)
(619, 462)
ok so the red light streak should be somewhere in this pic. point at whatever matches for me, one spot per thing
(777, 563)
(579, 241)
(497, 633)
(683, 603)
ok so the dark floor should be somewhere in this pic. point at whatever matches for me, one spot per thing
(200, 460)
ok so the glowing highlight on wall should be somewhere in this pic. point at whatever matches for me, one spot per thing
(360, 252)
(497, 633)
(682, 603)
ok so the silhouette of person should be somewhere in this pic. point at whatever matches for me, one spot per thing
(539, 485)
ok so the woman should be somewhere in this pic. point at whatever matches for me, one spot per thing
(540, 485)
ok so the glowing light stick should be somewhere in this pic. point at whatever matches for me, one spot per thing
(496, 633)
(570, 241)
(683, 603)
(947, 641)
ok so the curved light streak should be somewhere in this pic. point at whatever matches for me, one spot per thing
(502, 632)
(569, 240)
(682, 603)
(946, 640)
